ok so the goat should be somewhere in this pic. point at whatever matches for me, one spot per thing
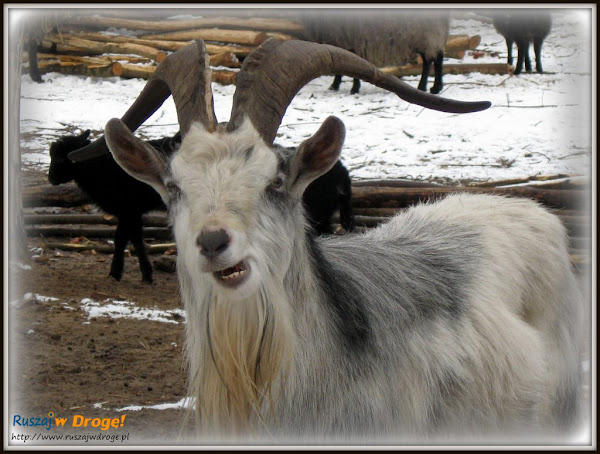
(114, 191)
(324, 196)
(384, 38)
(456, 316)
(524, 27)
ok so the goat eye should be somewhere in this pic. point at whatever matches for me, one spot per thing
(277, 183)
(172, 187)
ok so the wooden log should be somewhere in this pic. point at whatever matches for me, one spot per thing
(401, 197)
(462, 42)
(171, 46)
(456, 46)
(80, 69)
(395, 183)
(91, 232)
(227, 59)
(224, 77)
(246, 37)
(466, 68)
(64, 195)
(102, 248)
(104, 58)
(280, 36)
(239, 51)
(107, 47)
(149, 220)
(255, 23)
(136, 71)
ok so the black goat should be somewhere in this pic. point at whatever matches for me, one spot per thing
(524, 27)
(325, 195)
(114, 191)
(121, 195)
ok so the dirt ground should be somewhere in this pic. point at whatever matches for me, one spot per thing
(64, 362)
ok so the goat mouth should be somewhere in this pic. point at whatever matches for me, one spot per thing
(233, 276)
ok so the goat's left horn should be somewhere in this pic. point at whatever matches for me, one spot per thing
(186, 75)
(273, 73)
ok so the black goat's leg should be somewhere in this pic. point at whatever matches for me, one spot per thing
(527, 60)
(337, 80)
(425, 73)
(355, 86)
(537, 48)
(521, 58)
(121, 237)
(438, 64)
(509, 47)
(136, 233)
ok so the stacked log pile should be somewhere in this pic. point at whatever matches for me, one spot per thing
(374, 201)
(110, 46)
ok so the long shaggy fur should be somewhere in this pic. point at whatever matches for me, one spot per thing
(383, 37)
(457, 318)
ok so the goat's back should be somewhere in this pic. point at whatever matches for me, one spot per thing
(383, 38)
(469, 316)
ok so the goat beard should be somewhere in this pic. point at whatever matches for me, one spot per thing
(246, 362)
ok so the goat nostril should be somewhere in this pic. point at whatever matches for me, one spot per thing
(213, 242)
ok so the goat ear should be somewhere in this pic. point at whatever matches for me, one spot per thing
(318, 154)
(136, 157)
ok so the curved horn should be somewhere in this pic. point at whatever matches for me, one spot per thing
(186, 75)
(272, 75)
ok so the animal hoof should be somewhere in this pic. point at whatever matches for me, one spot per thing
(334, 87)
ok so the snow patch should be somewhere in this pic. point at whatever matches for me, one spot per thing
(127, 309)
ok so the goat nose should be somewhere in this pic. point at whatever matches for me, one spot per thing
(212, 242)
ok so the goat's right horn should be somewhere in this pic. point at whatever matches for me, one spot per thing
(186, 75)
(273, 73)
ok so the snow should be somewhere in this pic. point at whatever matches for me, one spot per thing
(184, 403)
(127, 309)
(539, 124)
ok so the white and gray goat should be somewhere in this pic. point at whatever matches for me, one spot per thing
(454, 318)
